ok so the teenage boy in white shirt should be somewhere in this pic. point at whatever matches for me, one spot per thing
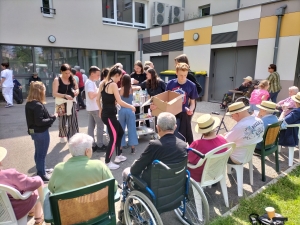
(7, 84)
(92, 108)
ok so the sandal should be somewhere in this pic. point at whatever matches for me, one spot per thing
(31, 214)
(39, 221)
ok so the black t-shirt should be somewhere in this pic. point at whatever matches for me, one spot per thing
(34, 79)
(65, 89)
(140, 77)
(161, 87)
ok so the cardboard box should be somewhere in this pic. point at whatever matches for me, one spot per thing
(168, 101)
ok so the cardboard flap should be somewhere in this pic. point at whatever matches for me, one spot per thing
(175, 99)
(147, 102)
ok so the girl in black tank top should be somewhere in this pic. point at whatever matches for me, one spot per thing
(107, 111)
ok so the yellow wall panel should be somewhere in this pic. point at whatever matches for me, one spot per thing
(267, 28)
(165, 37)
(290, 25)
(204, 39)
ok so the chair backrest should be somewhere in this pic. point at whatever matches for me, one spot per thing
(7, 214)
(249, 153)
(168, 185)
(87, 205)
(271, 135)
(215, 164)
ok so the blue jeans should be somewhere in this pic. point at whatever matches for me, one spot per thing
(273, 96)
(127, 118)
(41, 144)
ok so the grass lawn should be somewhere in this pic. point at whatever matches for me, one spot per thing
(284, 196)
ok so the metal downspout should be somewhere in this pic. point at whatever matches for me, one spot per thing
(279, 13)
(141, 46)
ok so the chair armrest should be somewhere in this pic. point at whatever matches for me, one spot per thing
(139, 182)
(47, 207)
(117, 196)
(200, 162)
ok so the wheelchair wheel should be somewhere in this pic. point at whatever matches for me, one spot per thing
(197, 209)
(245, 100)
(138, 209)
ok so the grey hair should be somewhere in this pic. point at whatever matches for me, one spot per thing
(78, 143)
(166, 121)
(119, 65)
(294, 88)
(77, 68)
(82, 71)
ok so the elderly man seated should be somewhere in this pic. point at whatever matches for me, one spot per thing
(249, 130)
(80, 170)
(168, 149)
(288, 103)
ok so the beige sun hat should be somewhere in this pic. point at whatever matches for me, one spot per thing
(296, 98)
(206, 123)
(236, 108)
(267, 105)
(248, 78)
(3, 153)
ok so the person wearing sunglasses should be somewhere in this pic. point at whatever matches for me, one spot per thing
(274, 80)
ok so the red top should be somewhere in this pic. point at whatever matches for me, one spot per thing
(204, 146)
(79, 75)
(21, 182)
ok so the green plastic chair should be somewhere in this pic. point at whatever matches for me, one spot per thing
(92, 204)
(269, 145)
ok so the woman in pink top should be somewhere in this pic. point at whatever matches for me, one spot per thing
(206, 125)
(23, 183)
(259, 95)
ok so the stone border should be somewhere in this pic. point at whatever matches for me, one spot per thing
(283, 174)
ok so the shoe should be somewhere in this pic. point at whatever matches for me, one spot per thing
(120, 158)
(95, 148)
(50, 170)
(112, 166)
(8, 105)
(63, 140)
(45, 177)
(132, 150)
(102, 148)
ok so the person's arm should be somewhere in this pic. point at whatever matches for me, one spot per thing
(192, 157)
(3, 77)
(98, 98)
(118, 97)
(163, 86)
(88, 89)
(135, 88)
(55, 91)
(39, 119)
(192, 107)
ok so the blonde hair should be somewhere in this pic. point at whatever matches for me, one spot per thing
(263, 84)
(147, 63)
(37, 92)
(182, 67)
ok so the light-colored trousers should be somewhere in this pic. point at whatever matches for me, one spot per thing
(8, 95)
(93, 120)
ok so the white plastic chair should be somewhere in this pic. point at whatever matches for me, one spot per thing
(7, 214)
(292, 149)
(215, 168)
(240, 169)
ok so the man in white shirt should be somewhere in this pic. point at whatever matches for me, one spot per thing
(7, 84)
(91, 92)
(249, 130)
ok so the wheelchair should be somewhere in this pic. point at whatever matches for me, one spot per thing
(172, 188)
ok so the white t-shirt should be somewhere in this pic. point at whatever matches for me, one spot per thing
(91, 104)
(8, 75)
(247, 131)
(85, 78)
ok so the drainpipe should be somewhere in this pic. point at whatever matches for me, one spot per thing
(238, 4)
(141, 46)
(279, 13)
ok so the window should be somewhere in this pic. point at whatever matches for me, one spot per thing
(130, 13)
(91, 58)
(126, 58)
(64, 55)
(108, 58)
(47, 8)
(204, 10)
(43, 61)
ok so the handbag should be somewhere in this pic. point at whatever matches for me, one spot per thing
(61, 109)
(264, 219)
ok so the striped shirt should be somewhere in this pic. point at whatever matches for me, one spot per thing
(274, 80)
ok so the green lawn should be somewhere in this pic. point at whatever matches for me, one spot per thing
(284, 196)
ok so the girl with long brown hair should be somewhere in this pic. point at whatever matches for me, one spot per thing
(153, 84)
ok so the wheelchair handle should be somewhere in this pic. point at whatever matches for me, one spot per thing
(196, 152)
(161, 163)
(215, 113)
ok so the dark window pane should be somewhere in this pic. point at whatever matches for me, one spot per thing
(46, 6)
(64, 55)
(91, 58)
(43, 62)
(139, 12)
(124, 11)
(205, 11)
(18, 57)
(108, 9)
(126, 58)
(108, 59)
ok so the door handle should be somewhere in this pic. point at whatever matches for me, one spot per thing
(231, 78)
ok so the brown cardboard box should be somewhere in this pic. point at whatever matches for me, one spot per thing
(168, 101)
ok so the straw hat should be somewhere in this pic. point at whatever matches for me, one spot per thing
(248, 78)
(3, 153)
(296, 98)
(267, 105)
(206, 123)
(35, 73)
(236, 108)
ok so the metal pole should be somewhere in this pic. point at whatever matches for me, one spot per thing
(277, 40)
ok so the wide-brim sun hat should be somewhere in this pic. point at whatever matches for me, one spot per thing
(248, 78)
(35, 73)
(3, 153)
(236, 108)
(206, 123)
(296, 98)
(267, 105)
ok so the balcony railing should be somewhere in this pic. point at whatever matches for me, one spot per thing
(49, 11)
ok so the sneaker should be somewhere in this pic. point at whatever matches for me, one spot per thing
(112, 166)
(50, 170)
(8, 105)
(120, 158)
(45, 177)
(63, 140)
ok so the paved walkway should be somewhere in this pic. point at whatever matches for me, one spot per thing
(14, 137)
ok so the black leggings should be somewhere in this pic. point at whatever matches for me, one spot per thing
(115, 132)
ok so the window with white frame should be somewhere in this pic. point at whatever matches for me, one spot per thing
(47, 8)
(204, 10)
(125, 12)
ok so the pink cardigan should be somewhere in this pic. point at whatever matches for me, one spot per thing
(22, 183)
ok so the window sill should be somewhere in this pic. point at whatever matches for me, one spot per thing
(134, 26)
(48, 15)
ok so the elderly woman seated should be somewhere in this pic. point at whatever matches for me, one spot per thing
(266, 114)
(288, 103)
(23, 183)
(209, 141)
(80, 170)
(289, 137)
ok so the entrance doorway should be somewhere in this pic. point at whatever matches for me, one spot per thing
(230, 66)
(160, 63)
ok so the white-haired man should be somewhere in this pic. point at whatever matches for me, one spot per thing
(80, 170)
(168, 149)
(288, 103)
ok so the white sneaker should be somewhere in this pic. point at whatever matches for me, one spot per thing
(63, 140)
(112, 166)
(120, 158)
